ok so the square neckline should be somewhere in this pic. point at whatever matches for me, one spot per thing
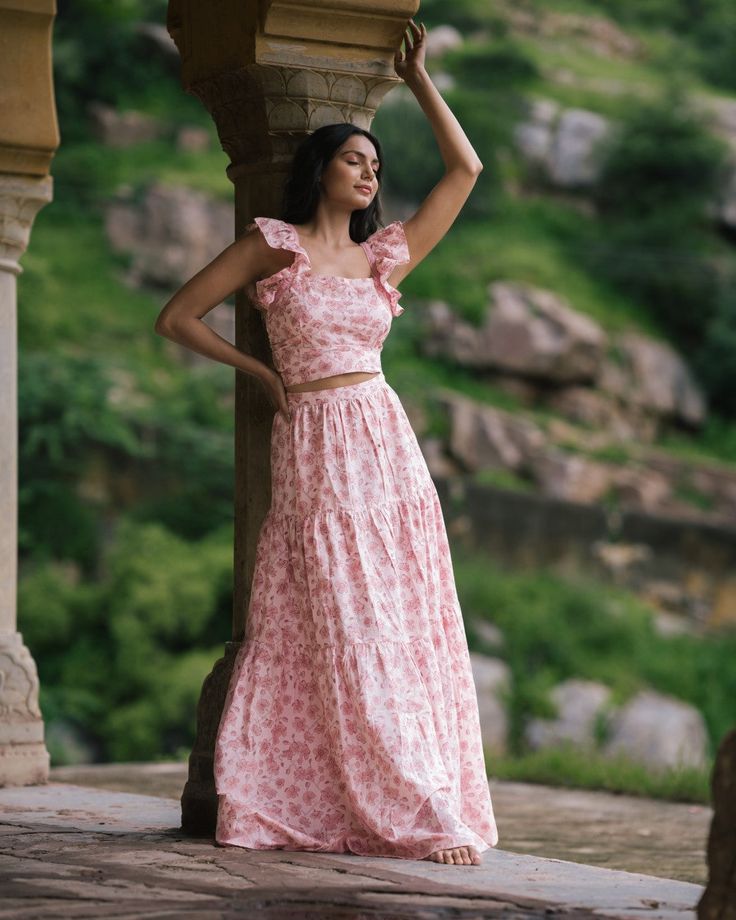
(297, 240)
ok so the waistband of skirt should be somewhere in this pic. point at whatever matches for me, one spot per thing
(334, 394)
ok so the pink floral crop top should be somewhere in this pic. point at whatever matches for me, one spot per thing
(320, 325)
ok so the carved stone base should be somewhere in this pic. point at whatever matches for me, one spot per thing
(24, 760)
(199, 799)
(719, 899)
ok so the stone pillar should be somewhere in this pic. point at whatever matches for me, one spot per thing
(23, 755)
(28, 139)
(269, 73)
(719, 898)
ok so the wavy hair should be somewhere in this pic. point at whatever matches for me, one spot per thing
(302, 189)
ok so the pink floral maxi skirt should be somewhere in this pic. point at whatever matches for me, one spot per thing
(351, 720)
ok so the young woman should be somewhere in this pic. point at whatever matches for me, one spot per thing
(351, 720)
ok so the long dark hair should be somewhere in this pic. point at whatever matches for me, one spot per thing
(302, 189)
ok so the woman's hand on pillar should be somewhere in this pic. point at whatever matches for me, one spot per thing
(276, 391)
(410, 62)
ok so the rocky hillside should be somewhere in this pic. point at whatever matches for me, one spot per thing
(572, 337)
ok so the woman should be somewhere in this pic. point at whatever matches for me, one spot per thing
(351, 720)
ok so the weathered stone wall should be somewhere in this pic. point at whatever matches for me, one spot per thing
(684, 567)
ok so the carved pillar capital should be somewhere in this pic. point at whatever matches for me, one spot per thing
(21, 198)
(262, 110)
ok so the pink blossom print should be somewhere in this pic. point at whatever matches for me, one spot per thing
(351, 723)
(320, 325)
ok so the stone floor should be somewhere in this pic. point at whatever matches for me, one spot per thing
(76, 847)
(598, 828)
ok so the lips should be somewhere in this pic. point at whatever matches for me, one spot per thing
(363, 188)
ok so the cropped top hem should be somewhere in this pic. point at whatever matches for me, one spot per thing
(327, 363)
(323, 325)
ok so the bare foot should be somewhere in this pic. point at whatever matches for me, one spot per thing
(458, 856)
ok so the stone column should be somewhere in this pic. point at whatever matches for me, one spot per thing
(719, 898)
(23, 755)
(269, 73)
(28, 139)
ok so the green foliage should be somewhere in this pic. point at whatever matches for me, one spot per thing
(663, 164)
(715, 362)
(123, 657)
(653, 241)
(491, 65)
(709, 25)
(555, 629)
(465, 15)
(64, 411)
(97, 53)
(568, 765)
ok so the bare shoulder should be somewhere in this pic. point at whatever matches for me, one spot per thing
(263, 259)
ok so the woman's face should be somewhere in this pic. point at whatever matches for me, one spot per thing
(350, 177)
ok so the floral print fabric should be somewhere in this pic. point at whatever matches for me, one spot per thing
(351, 720)
(320, 325)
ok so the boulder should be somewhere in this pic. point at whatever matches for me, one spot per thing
(124, 129)
(487, 632)
(571, 476)
(492, 677)
(651, 375)
(441, 39)
(622, 563)
(659, 731)
(573, 155)
(641, 487)
(533, 137)
(483, 437)
(563, 143)
(578, 703)
(171, 233)
(438, 463)
(192, 139)
(526, 330)
(597, 409)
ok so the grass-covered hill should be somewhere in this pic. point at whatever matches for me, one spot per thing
(125, 441)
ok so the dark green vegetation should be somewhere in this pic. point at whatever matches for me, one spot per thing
(126, 454)
(554, 630)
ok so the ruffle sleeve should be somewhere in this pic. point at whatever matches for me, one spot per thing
(278, 235)
(389, 248)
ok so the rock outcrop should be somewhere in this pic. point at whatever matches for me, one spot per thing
(564, 144)
(660, 731)
(492, 678)
(578, 703)
(171, 232)
(526, 330)
(625, 382)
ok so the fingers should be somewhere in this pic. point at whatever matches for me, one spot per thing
(413, 35)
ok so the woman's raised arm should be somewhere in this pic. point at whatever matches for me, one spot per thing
(438, 211)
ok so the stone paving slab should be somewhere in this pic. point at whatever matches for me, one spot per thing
(607, 829)
(70, 851)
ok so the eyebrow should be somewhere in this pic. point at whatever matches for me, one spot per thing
(358, 153)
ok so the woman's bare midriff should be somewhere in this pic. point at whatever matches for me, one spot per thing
(328, 383)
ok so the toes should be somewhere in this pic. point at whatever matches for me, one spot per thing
(464, 856)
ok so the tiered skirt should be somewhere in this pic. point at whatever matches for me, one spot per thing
(351, 722)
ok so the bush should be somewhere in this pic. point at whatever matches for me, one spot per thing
(557, 628)
(661, 170)
(122, 660)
